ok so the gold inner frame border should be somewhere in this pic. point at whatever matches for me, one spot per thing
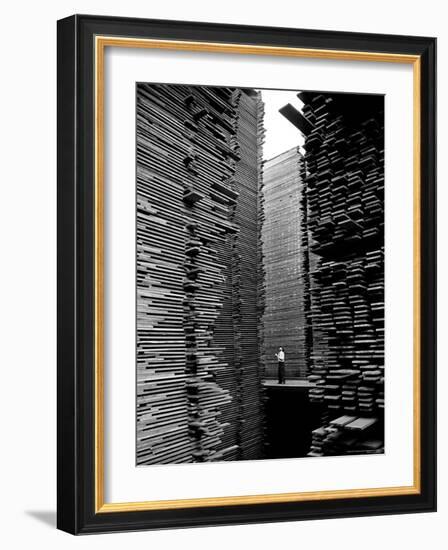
(100, 44)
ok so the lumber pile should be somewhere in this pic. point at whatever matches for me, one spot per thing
(199, 392)
(348, 435)
(285, 250)
(247, 314)
(345, 216)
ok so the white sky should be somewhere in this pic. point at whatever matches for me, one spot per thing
(281, 135)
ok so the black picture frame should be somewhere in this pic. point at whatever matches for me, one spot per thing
(76, 256)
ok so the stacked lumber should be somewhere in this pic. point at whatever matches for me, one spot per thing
(238, 321)
(192, 232)
(285, 256)
(261, 270)
(348, 435)
(162, 404)
(345, 216)
(245, 255)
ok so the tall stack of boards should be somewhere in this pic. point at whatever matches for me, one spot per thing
(285, 256)
(199, 306)
(344, 165)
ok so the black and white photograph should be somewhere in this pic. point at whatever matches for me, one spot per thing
(246, 276)
(260, 274)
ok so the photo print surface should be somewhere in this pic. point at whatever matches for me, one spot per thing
(259, 274)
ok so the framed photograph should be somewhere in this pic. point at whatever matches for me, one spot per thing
(246, 274)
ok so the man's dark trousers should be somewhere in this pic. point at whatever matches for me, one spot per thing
(281, 372)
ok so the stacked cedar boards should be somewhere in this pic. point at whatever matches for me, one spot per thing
(261, 270)
(196, 320)
(348, 435)
(345, 214)
(251, 416)
(285, 261)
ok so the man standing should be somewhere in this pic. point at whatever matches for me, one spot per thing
(281, 365)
